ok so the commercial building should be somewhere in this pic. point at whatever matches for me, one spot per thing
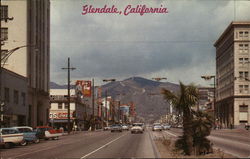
(206, 98)
(80, 111)
(29, 28)
(15, 108)
(232, 75)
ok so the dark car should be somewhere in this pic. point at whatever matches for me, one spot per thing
(116, 127)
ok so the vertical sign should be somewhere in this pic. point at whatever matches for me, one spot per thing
(83, 88)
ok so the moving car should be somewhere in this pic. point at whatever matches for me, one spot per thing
(125, 127)
(28, 134)
(116, 127)
(166, 127)
(157, 128)
(140, 124)
(11, 137)
(137, 128)
(47, 132)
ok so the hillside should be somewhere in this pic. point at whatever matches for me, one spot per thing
(143, 92)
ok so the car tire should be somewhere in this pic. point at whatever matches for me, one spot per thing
(112, 131)
(8, 145)
(37, 140)
(132, 132)
(24, 143)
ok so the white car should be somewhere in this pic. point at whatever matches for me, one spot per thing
(136, 128)
(157, 128)
(125, 127)
(10, 137)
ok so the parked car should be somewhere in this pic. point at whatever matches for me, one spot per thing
(157, 128)
(247, 126)
(28, 134)
(11, 137)
(47, 132)
(137, 128)
(166, 127)
(125, 127)
(106, 128)
(116, 127)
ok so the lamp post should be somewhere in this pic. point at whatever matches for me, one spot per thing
(106, 93)
(69, 69)
(209, 77)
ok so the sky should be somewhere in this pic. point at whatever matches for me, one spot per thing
(177, 45)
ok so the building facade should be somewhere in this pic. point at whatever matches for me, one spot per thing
(232, 75)
(30, 28)
(206, 98)
(15, 108)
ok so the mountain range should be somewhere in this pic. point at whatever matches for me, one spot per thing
(144, 93)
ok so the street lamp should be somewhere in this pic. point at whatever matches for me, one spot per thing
(106, 93)
(209, 77)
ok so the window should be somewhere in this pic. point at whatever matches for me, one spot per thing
(246, 75)
(246, 60)
(4, 11)
(243, 108)
(241, 34)
(240, 88)
(246, 34)
(246, 47)
(4, 33)
(65, 105)
(7, 95)
(241, 75)
(23, 99)
(59, 105)
(246, 88)
(241, 60)
(4, 55)
(15, 97)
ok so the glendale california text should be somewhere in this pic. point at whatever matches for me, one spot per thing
(129, 9)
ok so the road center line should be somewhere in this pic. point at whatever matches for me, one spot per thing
(102, 147)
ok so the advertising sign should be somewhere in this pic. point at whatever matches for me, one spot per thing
(83, 88)
(61, 115)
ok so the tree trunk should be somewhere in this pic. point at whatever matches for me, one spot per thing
(188, 133)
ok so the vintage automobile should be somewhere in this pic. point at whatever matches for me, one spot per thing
(137, 128)
(125, 127)
(116, 127)
(47, 132)
(157, 127)
(166, 127)
(28, 134)
(11, 137)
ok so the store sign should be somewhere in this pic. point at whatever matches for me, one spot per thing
(60, 115)
(83, 88)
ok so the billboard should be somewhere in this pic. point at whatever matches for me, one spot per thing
(83, 88)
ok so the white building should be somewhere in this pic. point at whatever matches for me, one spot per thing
(30, 28)
(232, 75)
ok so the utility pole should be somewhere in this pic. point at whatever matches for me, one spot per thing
(106, 106)
(69, 69)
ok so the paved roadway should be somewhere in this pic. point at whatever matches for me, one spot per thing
(235, 142)
(102, 144)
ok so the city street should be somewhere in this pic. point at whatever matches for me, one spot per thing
(100, 144)
(235, 142)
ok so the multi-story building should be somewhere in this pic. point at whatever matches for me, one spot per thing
(232, 75)
(206, 98)
(15, 110)
(80, 110)
(29, 28)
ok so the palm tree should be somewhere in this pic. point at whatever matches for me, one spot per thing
(187, 97)
(202, 125)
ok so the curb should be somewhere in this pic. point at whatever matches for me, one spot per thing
(155, 149)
